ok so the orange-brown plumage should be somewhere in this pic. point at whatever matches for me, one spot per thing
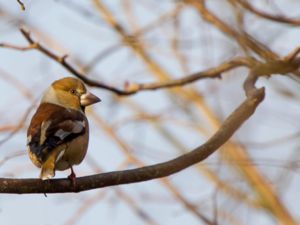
(58, 133)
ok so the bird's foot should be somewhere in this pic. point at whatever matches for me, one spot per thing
(72, 178)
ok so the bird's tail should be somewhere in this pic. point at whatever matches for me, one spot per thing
(48, 168)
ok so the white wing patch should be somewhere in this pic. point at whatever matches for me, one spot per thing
(78, 126)
(60, 155)
(62, 134)
(44, 128)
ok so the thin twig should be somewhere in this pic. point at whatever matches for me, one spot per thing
(242, 38)
(276, 18)
(17, 128)
(22, 5)
(15, 47)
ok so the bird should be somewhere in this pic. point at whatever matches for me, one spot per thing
(58, 134)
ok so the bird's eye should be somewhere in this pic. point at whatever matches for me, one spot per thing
(73, 91)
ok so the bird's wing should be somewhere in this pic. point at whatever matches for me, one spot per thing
(53, 125)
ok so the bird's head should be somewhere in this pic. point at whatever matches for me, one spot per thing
(71, 93)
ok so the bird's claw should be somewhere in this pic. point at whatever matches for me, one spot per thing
(72, 178)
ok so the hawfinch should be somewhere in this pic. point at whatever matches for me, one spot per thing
(58, 135)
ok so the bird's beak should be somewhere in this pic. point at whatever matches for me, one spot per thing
(88, 99)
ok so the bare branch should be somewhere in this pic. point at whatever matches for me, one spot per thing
(276, 18)
(249, 84)
(243, 39)
(210, 73)
(286, 65)
(15, 47)
(230, 125)
(292, 55)
(132, 88)
(22, 5)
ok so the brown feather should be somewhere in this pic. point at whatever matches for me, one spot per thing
(58, 120)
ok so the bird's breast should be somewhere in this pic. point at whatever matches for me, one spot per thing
(73, 153)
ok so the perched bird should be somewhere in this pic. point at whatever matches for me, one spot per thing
(58, 135)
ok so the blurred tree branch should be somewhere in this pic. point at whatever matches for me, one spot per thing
(245, 40)
(281, 19)
(22, 5)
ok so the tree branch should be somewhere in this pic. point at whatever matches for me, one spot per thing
(285, 65)
(22, 5)
(230, 125)
(131, 88)
(276, 18)
(15, 47)
(244, 39)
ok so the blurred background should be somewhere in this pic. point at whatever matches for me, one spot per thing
(253, 179)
